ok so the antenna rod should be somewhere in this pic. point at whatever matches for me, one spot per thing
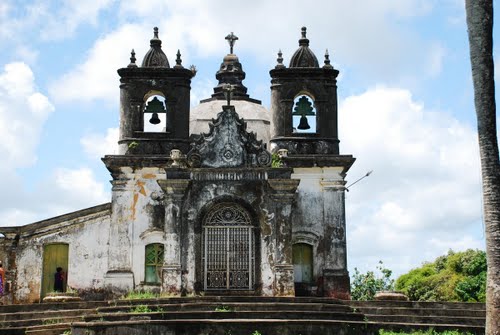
(366, 175)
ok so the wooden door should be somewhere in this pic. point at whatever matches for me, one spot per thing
(54, 256)
(302, 263)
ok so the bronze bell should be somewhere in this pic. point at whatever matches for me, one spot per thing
(303, 124)
(154, 119)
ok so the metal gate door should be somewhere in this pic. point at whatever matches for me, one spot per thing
(228, 250)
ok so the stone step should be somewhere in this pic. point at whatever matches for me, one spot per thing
(248, 326)
(5, 309)
(233, 306)
(418, 304)
(450, 320)
(6, 318)
(42, 321)
(56, 329)
(223, 299)
(422, 311)
(277, 314)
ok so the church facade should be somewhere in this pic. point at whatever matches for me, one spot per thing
(222, 198)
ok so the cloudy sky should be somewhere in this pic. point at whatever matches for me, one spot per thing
(405, 100)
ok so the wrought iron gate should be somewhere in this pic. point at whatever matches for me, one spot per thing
(228, 249)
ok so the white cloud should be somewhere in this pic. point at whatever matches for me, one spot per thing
(69, 15)
(437, 54)
(97, 77)
(63, 191)
(367, 36)
(98, 145)
(52, 20)
(202, 88)
(23, 113)
(425, 187)
(80, 185)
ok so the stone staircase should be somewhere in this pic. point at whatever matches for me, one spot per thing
(233, 315)
(45, 318)
(439, 315)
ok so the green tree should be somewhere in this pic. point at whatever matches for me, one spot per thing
(365, 285)
(457, 276)
(479, 14)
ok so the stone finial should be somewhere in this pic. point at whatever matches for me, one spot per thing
(132, 59)
(304, 57)
(228, 93)
(155, 57)
(280, 64)
(327, 61)
(303, 40)
(231, 38)
(178, 60)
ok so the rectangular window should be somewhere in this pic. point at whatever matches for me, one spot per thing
(154, 263)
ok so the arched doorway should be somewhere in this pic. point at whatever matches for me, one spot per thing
(228, 248)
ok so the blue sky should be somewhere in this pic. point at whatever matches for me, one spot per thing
(405, 99)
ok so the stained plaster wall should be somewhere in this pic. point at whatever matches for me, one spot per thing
(87, 262)
(319, 216)
(143, 213)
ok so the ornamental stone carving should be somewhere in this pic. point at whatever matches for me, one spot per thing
(228, 144)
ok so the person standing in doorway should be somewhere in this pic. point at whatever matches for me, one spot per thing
(59, 280)
(2, 279)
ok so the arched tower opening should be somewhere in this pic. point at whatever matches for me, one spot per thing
(304, 114)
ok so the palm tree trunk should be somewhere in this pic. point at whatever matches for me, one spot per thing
(480, 30)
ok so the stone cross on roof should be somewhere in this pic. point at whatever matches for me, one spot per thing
(231, 38)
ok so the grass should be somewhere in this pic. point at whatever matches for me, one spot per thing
(141, 309)
(51, 321)
(140, 295)
(222, 309)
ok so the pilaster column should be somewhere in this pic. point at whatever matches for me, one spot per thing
(175, 190)
(120, 277)
(282, 198)
(335, 275)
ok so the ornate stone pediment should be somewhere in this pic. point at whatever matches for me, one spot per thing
(227, 144)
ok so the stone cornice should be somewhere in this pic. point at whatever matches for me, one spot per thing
(345, 161)
(284, 186)
(334, 185)
(174, 187)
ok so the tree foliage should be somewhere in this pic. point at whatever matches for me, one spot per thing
(364, 286)
(457, 276)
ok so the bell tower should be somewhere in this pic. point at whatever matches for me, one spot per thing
(154, 121)
(304, 136)
(154, 104)
(304, 103)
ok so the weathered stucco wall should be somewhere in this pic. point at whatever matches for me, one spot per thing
(86, 236)
(319, 217)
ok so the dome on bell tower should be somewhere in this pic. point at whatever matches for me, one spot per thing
(304, 57)
(155, 57)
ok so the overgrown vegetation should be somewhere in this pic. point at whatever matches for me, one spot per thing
(141, 309)
(223, 309)
(457, 276)
(425, 332)
(276, 161)
(140, 295)
(365, 285)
